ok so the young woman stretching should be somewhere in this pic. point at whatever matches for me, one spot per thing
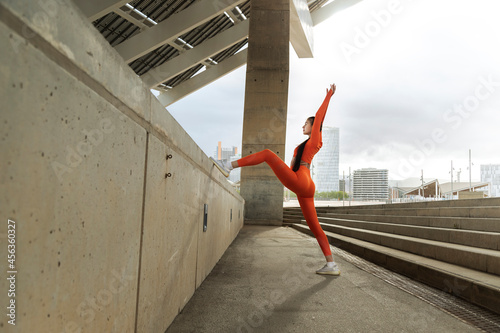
(297, 177)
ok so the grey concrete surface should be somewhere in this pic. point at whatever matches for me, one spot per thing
(106, 189)
(265, 109)
(265, 282)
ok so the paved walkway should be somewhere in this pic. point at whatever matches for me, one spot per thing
(265, 282)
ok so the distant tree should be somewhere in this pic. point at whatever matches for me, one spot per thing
(331, 195)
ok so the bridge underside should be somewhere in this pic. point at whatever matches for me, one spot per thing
(178, 47)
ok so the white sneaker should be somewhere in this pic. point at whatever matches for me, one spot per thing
(221, 167)
(329, 270)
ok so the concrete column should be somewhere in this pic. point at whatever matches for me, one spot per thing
(266, 95)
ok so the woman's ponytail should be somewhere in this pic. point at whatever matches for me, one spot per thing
(298, 157)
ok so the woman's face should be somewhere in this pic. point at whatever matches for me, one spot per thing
(306, 129)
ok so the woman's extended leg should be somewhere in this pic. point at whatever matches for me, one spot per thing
(289, 178)
(286, 175)
(309, 212)
(300, 183)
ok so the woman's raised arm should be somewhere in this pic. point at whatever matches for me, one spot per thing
(320, 114)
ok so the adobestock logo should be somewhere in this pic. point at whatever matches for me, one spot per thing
(372, 29)
(75, 155)
(49, 11)
(462, 111)
(454, 117)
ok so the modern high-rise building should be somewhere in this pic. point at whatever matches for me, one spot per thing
(224, 154)
(325, 165)
(491, 174)
(370, 184)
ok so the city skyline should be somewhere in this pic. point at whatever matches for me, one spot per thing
(410, 95)
(326, 180)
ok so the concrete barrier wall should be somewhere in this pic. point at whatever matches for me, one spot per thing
(106, 190)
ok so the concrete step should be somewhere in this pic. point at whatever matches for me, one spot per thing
(484, 260)
(296, 213)
(292, 217)
(485, 240)
(288, 221)
(490, 202)
(468, 212)
(477, 287)
(486, 202)
(477, 224)
(291, 210)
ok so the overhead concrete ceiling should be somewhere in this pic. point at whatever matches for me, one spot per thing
(179, 46)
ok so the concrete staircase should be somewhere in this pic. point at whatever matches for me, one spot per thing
(450, 245)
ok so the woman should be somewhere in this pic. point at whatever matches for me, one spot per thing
(297, 177)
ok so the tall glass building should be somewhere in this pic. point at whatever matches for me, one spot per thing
(325, 165)
(491, 174)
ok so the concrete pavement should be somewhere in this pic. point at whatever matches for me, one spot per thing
(265, 282)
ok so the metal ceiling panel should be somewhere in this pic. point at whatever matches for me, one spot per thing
(116, 29)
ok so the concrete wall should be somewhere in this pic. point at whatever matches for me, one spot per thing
(105, 240)
(471, 195)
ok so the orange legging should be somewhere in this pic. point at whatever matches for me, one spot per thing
(300, 183)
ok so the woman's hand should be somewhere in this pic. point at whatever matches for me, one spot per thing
(333, 87)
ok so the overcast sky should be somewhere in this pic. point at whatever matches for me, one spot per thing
(418, 85)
